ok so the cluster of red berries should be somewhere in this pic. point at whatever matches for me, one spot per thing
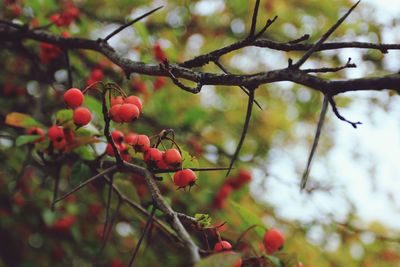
(138, 142)
(60, 137)
(9, 89)
(230, 184)
(69, 14)
(96, 75)
(225, 246)
(74, 97)
(125, 109)
(49, 52)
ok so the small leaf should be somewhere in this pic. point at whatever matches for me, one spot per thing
(80, 172)
(204, 219)
(85, 152)
(219, 260)
(127, 188)
(26, 139)
(94, 106)
(248, 217)
(21, 120)
(189, 161)
(64, 115)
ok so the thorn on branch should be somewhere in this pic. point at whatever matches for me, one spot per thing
(321, 121)
(266, 26)
(340, 117)
(299, 40)
(325, 70)
(254, 19)
(245, 128)
(165, 66)
(116, 31)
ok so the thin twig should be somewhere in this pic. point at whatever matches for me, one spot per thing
(245, 128)
(148, 223)
(326, 70)
(130, 23)
(299, 40)
(99, 175)
(315, 142)
(108, 207)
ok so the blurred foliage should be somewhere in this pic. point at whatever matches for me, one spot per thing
(207, 126)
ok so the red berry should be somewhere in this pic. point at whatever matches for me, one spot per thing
(185, 178)
(134, 100)
(159, 53)
(64, 223)
(130, 138)
(300, 264)
(117, 263)
(238, 263)
(117, 136)
(55, 133)
(244, 176)
(128, 112)
(172, 158)
(152, 156)
(159, 82)
(123, 150)
(161, 165)
(82, 116)
(69, 135)
(73, 97)
(59, 144)
(110, 151)
(273, 240)
(97, 75)
(222, 245)
(139, 86)
(114, 113)
(36, 131)
(140, 143)
(116, 100)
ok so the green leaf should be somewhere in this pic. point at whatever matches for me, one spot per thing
(85, 152)
(21, 120)
(189, 161)
(127, 189)
(64, 115)
(94, 105)
(26, 139)
(219, 260)
(80, 172)
(204, 219)
(248, 217)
